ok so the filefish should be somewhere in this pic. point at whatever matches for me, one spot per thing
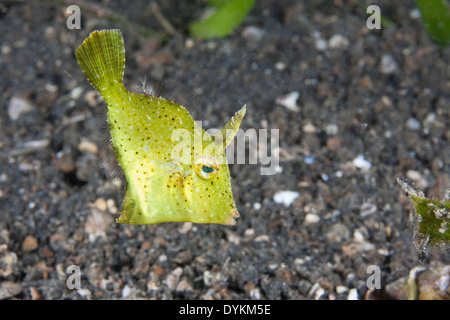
(175, 171)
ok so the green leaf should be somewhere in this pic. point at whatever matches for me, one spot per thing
(228, 16)
(436, 19)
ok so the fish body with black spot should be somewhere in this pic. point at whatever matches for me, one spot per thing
(170, 177)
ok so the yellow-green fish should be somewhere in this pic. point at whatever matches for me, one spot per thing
(175, 171)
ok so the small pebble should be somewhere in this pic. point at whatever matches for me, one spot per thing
(316, 291)
(338, 232)
(153, 285)
(75, 93)
(384, 252)
(280, 66)
(100, 204)
(388, 64)
(414, 13)
(186, 227)
(18, 106)
(84, 293)
(252, 32)
(35, 294)
(255, 294)
(8, 264)
(257, 206)
(64, 161)
(311, 218)
(321, 44)
(5, 49)
(430, 118)
(29, 147)
(173, 278)
(357, 247)
(414, 175)
(353, 294)
(30, 244)
(249, 232)
(9, 289)
(211, 45)
(92, 98)
(262, 238)
(341, 289)
(51, 88)
(361, 163)
(111, 204)
(309, 159)
(418, 179)
(97, 224)
(334, 143)
(358, 236)
(88, 146)
(286, 197)
(126, 291)
(289, 101)
(36, 144)
(189, 43)
(3, 177)
(211, 278)
(234, 238)
(413, 124)
(338, 42)
(367, 208)
(184, 286)
(309, 128)
(332, 129)
(387, 102)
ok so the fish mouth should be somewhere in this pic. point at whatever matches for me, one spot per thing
(233, 216)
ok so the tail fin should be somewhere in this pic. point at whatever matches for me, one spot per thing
(102, 58)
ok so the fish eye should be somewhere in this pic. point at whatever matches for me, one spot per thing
(206, 167)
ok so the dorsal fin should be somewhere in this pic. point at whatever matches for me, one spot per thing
(230, 129)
